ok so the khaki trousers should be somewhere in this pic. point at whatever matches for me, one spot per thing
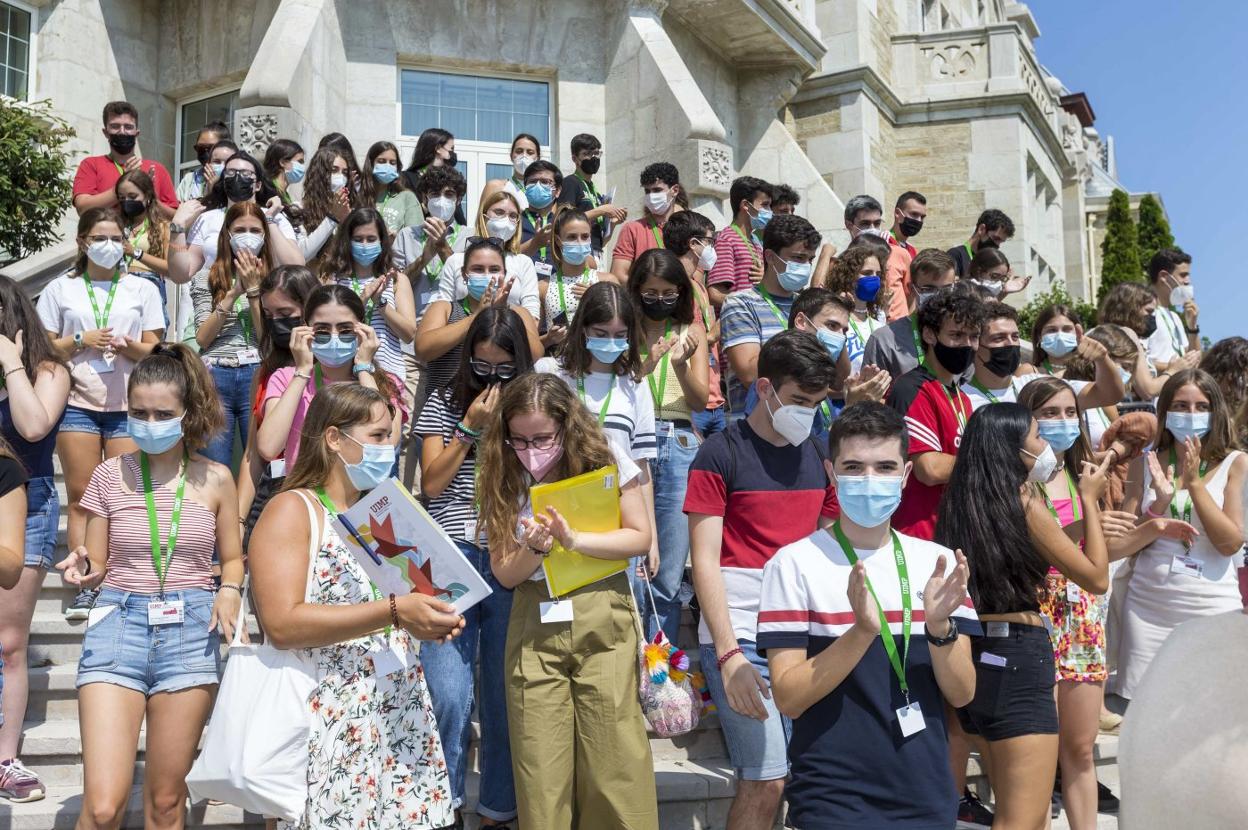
(578, 739)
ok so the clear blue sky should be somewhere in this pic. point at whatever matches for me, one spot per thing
(1167, 80)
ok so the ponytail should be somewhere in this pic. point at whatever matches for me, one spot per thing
(177, 365)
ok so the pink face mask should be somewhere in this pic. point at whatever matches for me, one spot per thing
(538, 462)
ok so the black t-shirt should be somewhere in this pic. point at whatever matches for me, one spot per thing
(12, 474)
(585, 199)
(961, 260)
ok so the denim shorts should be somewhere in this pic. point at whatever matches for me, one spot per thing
(758, 749)
(104, 424)
(1016, 698)
(43, 511)
(121, 648)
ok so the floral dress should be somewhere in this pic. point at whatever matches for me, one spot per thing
(375, 758)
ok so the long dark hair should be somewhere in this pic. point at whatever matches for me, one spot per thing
(335, 294)
(982, 512)
(88, 220)
(427, 148)
(157, 228)
(282, 149)
(216, 198)
(318, 194)
(1220, 441)
(502, 327)
(602, 303)
(371, 190)
(337, 261)
(298, 282)
(662, 263)
(17, 313)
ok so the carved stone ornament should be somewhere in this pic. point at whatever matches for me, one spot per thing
(257, 132)
(953, 61)
(715, 166)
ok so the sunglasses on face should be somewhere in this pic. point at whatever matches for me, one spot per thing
(654, 296)
(231, 175)
(323, 336)
(504, 371)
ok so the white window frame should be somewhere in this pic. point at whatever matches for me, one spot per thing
(180, 167)
(475, 154)
(32, 91)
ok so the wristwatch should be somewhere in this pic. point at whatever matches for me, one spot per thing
(361, 367)
(175, 229)
(78, 340)
(945, 640)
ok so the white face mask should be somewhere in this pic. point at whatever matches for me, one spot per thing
(707, 259)
(521, 163)
(991, 287)
(1045, 466)
(793, 422)
(501, 226)
(1182, 294)
(442, 208)
(337, 182)
(658, 202)
(105, 253)
(249, 242)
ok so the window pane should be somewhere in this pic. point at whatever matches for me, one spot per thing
(4, 20)
(495, 126)
(538, 125)
(18, 55)
(493, 94)
(457, 91)
(16, 85)
(498, 171)
(198, 113)
(417, 119)
(460, 123)
(531, 97)
(420, 88)
(474, 108)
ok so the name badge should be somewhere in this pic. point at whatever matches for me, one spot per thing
(544, 269)
(388, 660)
(165, 612)
(1072, 592)
(102, 365)
(425, 297)
(998, 629)
(989, 659)
(248, 357)
(277, 468)
(910, 719)
(556, 611)
(1187, 566)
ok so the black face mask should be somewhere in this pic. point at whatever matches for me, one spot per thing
(450, 160)
(131, 208)
(1150, 326)
(280, 329)
(204, 154)
(659, 309)
(956, 359)
(1002, 360)
(122, 144)
(910, 227)
(591, 166)
(239, 188)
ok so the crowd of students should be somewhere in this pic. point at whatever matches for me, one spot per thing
(905, 528)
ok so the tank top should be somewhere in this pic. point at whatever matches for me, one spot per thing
(35, 456)
(665, 388)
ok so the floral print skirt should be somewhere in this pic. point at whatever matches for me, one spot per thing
(1078, 633)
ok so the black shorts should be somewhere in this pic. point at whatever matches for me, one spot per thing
(1016, 698)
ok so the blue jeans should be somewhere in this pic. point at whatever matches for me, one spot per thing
(677, 446)
(449, 675)
(159, 281)
(757, 749)
(234, 389)
(43, 510)
(710, 421)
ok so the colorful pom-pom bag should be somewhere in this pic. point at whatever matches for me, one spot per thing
(672, 697)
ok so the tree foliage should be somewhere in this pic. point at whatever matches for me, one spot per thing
(1120, 255)
(1153, 231)
(35, 187)
(1054, 296)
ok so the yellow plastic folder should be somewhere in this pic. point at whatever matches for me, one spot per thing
(589, 502)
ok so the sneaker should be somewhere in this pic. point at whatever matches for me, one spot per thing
(972, 813)
(81, 605)
(1110, 723)
(19, 784)
(1106, 801)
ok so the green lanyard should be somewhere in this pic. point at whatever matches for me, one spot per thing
(987, 393)
(243, 313)
(563, 300)
(101, 320)
(538, 222)
(657, 392)
(853, 324)
(318, 379)
(826, 408)
(654, 229)
(432, 272)
(1177, 336)
(333, 514)
(1187, 508)
(1074, 500)
(358, 288)
(463, 303)
(784, 321)
(1048, 367)
(958, 411)
(907, 611)
(120, 171)
(594, 197)
(969, 253)
(602, 413)
(919, 351)
(749, 246)
(161, 562)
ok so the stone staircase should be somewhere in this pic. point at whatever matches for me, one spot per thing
(694, 778)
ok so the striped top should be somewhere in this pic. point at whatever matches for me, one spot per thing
(390, 354)
(453, 510)
(119, 498)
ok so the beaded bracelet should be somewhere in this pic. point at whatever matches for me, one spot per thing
(394, 612)
(475, 433)
(728, 655)
(464, 437)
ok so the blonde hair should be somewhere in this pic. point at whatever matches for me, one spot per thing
(511, 246)
(340, 405)
(584, 449)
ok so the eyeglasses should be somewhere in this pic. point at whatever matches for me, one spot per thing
(122, 129)
(666, 298)
(230, 175)
(546, 181)
(105, 239)
(503, 371)
(543, 442)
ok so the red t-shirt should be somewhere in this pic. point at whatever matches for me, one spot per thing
(97, 174)
(734, 257)
(637, 237)
(934, 426)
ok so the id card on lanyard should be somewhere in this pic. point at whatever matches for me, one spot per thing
(161, 611)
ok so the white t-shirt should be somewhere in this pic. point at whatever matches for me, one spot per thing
(1169, 340)
(1010, 393)
(65, 309)
(452, 286)
(517, 191)
(628, 420)
(207, 228)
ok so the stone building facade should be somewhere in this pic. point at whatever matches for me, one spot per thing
(833, 97)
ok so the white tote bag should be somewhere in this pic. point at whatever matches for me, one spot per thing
(255, 751)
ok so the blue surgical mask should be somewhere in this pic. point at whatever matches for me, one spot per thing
(1059, 343)
(833, 341)
(1061, 433)
(607, 349)
(218, 169)
(868, 501)
(867, 288)
(795, 276)
(373, 468)
(385, 172)
(1126, 377)
(337, 352)
(759, 220)
(477, 284)
(1184, 425)
(154, 437)
(365, 252)
(539, 194)
(295, 174)
(574, 253)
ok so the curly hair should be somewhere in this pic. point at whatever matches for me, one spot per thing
(962, 305)
(178, 366)
(584, 449)
(1227, 362)
(221, 274)
(845, 270)
(318, 196)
